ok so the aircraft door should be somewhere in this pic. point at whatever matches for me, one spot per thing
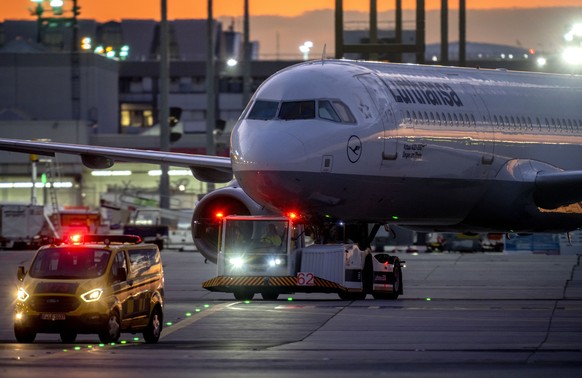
(486, 133)
(377, 91)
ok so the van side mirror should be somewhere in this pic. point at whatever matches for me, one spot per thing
(121, 274)
(20, 273)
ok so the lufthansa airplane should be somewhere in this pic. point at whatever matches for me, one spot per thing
(425, 147)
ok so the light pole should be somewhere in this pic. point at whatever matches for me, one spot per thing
(60, 15)
(163, 107)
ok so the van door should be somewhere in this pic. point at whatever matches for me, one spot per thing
(121, 287)
(144, 276)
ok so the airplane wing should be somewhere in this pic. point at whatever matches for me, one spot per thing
(555, 189)
(204, 168)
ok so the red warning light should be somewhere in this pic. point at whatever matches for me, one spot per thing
(76, 238)
(293, 215)
(219, 214)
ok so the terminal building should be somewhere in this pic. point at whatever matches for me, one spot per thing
(46, 94)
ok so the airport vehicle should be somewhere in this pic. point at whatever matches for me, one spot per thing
(268, 255)
(433, 149)
(77, 220)
(103, 284)
(21, 225)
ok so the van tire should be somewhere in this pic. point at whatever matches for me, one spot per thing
(112, 329)
(154, 329)
(24, 334)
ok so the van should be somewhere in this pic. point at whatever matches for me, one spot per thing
(102, 284)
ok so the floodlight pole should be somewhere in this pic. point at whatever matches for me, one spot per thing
(163, 106)
(246, 57)
(210, 88)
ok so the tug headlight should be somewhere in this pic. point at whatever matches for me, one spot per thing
(237, 262)
(275, 262)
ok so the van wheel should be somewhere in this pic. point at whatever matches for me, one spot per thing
(68, 337)
(112, 329)
(24, 334)
(154, 329)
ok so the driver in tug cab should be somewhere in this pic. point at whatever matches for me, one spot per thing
(272, 237)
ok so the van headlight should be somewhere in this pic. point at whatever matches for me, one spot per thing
(92, 296)
(22, 295)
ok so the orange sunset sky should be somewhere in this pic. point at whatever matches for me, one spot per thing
(105, 10)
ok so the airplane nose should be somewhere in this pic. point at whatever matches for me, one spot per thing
(260, 147)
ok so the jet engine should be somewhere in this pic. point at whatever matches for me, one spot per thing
(230, 200)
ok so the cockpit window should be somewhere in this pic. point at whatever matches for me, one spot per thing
(264, 110)
(329, 110)
(325, 110)
(297, 110)
(344, 112)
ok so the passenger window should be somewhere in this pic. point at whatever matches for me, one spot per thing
(438, 118)
(297, 110)
(142, 259)
(264, 110)
(326, 111)
(119, 262)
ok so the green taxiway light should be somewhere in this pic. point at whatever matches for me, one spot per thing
(247, 302)
(289, 299)
(428, 299)
(169, 323)
(101, 345)
(136, 339)
(206, 305)
(124, 341)
(188, 314)
(394, 217)
(198, 310)
(77, 348)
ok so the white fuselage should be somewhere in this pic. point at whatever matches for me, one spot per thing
(429, 147)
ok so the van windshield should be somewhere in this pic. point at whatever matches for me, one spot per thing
(70, 263)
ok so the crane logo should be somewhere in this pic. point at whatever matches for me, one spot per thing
(354, 148)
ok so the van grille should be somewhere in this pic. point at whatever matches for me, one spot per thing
(54, 303)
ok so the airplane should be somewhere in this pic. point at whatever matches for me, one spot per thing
(430, 148)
